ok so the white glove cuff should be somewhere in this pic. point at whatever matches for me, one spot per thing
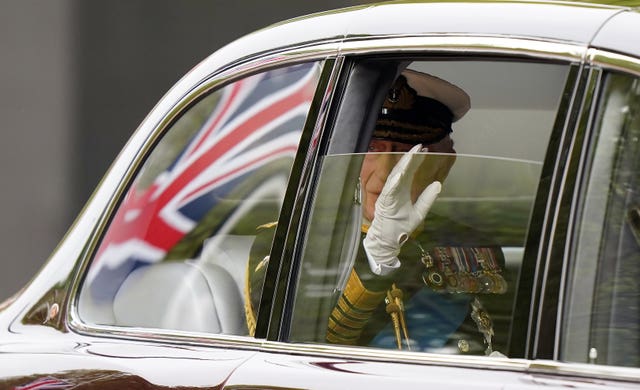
(382, 269)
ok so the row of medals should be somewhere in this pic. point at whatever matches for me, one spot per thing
(486, 281)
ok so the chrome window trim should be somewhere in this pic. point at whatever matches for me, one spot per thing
(263, 61)
(614, 61)
(542, 367)
(583, 129)
(394, 356)
(300, 207)
(449, 44)
(583, 370)
(169, 336)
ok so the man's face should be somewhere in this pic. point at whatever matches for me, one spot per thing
(383, 156)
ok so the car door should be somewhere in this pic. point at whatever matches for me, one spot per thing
(506, 181)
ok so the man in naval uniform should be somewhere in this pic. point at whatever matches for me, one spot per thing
(418, 278)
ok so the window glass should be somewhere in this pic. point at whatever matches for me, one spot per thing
(602, 314)
(177, 249)
(445, 281)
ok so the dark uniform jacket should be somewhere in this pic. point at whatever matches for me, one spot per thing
(432, 302)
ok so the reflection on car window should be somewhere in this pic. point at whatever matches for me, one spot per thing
(393, 259)
(176, 252)
(602, 316)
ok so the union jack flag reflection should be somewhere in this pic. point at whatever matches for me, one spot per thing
(230, 152)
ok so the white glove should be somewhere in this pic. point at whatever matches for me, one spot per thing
(395, 216)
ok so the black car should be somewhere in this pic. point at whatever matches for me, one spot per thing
(225, 246)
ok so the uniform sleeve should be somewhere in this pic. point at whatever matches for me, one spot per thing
(361, 297)
(353, 311)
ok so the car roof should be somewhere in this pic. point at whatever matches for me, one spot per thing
(329, 32)
(555, 21)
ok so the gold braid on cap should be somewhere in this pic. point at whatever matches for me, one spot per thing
(410, 118)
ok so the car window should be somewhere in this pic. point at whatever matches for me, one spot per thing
(450, 285)
(602, 312)
(177, 248)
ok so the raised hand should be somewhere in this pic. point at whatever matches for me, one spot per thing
(395, 215)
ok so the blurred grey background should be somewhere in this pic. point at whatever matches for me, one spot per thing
(76, 78)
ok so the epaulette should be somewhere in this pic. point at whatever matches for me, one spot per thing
(267, 225)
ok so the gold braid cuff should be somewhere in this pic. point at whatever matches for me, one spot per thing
(354, 309)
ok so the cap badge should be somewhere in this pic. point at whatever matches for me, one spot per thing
(394, 95)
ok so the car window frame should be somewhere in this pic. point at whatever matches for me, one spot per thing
(271, 307)
(280, 331)
(601, 63)
(562, 131)
(200, 90)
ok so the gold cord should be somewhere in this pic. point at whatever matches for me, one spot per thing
(395, 309)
